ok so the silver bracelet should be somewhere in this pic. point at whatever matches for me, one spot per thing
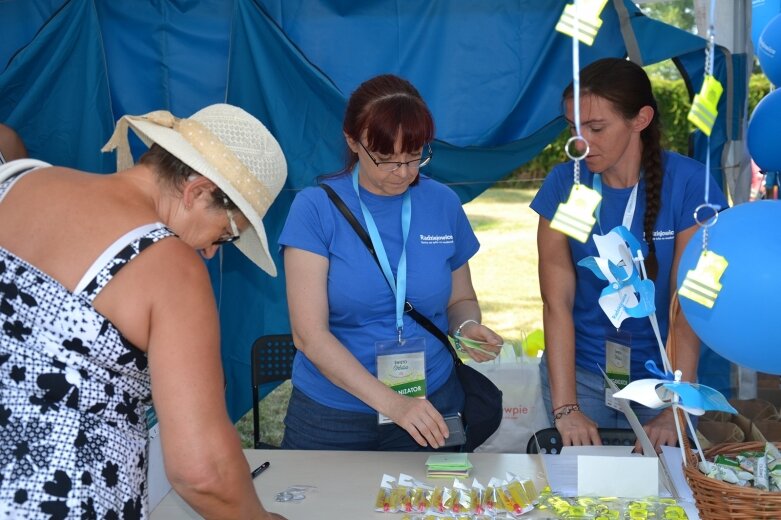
(458, 330)
(457, 333)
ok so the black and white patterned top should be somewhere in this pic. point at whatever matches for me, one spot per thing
(73, 394)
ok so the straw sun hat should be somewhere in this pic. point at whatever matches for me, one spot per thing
(229, 147)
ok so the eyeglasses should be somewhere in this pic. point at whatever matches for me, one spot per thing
(234, 228)
(392, 166)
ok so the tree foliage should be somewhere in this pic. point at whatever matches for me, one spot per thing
(673, 101)
(678, 13)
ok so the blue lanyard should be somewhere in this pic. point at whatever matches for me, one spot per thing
(399, 287)
(631, 204)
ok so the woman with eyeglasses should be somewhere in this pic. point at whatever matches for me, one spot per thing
(367, 376)
(106, 307)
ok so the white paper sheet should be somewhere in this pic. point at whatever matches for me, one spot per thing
(616, 476)
(562, 474)
(674, 462)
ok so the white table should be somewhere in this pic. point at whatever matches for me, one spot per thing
(347, 482)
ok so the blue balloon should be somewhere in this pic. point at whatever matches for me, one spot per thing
(764, 127)
(743, 324)
(769, 50)
(762, 11)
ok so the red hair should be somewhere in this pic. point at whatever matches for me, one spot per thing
(386, 106)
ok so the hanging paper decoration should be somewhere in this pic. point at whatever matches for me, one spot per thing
(582, 21)
(575, 218)
(702, 283)
(704, 107)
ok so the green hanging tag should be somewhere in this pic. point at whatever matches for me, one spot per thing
(704, 107)
(702, 283)
(588, 20)
(575, 218)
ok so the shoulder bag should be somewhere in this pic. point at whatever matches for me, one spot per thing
(483, 399)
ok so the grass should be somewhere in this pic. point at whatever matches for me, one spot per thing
(504, 274)
(504, 271)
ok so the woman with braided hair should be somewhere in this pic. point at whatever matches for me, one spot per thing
(653, 193)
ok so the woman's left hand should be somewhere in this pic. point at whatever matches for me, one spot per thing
(661, 431)
(490, 341)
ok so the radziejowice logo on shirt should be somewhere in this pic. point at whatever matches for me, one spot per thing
(664, 235)
(436, 239)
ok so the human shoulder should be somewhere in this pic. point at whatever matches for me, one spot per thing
(681, 167)
(556, 187)
(11, 145)
(170, 265)
(431, 189)
(317, 196)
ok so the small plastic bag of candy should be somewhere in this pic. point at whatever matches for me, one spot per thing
(441, 500)
(462, 498)
(387, 496)
(414, 496)
(491, 501)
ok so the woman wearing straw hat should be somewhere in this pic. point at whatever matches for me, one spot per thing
(106, 304)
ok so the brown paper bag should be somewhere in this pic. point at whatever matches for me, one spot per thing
(770, 430)
(720, 432)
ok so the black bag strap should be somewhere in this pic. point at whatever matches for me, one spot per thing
(408, 308)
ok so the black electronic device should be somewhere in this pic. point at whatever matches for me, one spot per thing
(455, 426)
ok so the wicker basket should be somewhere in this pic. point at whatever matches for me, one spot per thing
(717, 500)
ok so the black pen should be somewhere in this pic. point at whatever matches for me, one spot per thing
(260, 469)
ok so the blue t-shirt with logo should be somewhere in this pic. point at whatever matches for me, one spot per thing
(683, 189)
(361, 305)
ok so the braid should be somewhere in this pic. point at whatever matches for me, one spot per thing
(627, 87)
(654, 171)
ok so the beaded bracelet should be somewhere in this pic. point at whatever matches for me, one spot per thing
(565, 410)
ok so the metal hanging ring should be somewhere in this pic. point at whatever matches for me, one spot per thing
(571, 149)
(711, 219)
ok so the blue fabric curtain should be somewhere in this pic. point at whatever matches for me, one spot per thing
(55, 92)
(492, 71)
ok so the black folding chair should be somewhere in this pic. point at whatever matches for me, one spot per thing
(550, 441)
(272, 361)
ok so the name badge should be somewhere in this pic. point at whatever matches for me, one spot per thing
(401, 366)
(618, 364)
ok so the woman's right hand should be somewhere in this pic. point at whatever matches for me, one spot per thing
(576, 429)
(420, 419)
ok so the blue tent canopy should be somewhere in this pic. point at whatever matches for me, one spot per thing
(492, 71)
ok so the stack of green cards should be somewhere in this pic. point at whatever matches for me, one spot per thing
(444, 465)
(474, 344)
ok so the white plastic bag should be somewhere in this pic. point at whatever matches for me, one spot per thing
(524, 412)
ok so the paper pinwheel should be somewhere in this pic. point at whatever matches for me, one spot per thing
(691, 398)
(627, 294)
(631, 295)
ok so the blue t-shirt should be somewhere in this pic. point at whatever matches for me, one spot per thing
(683, 189)
(361, 305)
